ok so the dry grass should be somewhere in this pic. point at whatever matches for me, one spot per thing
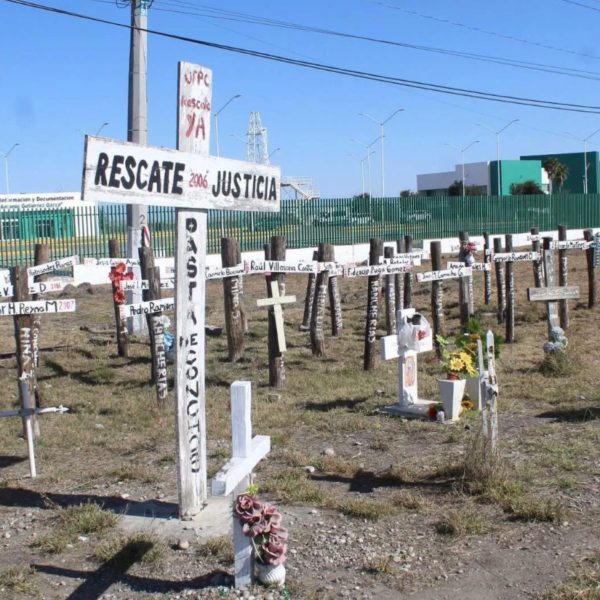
(120, 552)
(220, 548)
(583, 585)
(461, 522)
(380, 565)
(537, 510)
(18, 580)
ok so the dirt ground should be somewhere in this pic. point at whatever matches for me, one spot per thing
(403, 509)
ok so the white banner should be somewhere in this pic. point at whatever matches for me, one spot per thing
(404, 259)
(453, 273)
(574, 245)
(221, 272)
(142, 284)
(127, 173)
(474, 266)
(112, 262)
(47, 287)
(33, 308)
(146, 308)
(515, 257)
(279, 266)
(52, 266)
(373, 270)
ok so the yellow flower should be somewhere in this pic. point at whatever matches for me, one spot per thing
(475, 336)
(456, 365)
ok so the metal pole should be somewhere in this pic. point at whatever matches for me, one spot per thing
(137, 129)
(369, 174)
(382, 162)
(362, 174)
(6, 168)
(585, 168)
(217, 131)
(463, 172)
(498, 163)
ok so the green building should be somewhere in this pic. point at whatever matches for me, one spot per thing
(575, 163)
(514, 171)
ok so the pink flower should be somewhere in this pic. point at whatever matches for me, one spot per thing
(255, 526)
(279, 533)
(274, 552)
(271, 514)
(120, 296)
(247, 508)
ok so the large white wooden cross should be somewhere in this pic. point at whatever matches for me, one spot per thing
(235, 477)
(489, 391)
(193, 182)
(409, 404)
(275, 303)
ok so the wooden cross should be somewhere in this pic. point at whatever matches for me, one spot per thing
(274, 303)
(489, 392)
(552, 293)
(235, 476)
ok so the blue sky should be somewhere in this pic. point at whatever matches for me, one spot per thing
(59, 74)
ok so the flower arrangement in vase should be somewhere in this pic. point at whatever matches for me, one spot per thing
(262, 522)
(458, 363)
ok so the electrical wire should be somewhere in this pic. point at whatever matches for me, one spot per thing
(451, 90)
(582, 5)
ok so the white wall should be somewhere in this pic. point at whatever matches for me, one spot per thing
(475, 174)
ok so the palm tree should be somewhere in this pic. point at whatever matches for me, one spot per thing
(551, 166)
(561, 175)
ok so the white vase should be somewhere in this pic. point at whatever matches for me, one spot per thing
(452, 392)
(474, 391)
(271, 574)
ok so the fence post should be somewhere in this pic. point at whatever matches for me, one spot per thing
(589, 237)
(500, 282)
(437, 294)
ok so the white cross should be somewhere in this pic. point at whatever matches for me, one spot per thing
(235, 476)
(275, 303)
(489, 391)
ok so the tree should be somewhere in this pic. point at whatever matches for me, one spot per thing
(527, 188)
(557, 171)
(455, 189)
(407, 194)
(470, 190)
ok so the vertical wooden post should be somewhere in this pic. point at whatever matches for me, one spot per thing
(122, 333)
(537, 264)
(22, 323)
(390, 296)
(241, 438)
(335, 304)
(375, 254)
(310, 296)
(146, 255)
(589, 254)
(463, 285)
(242, 308)
(41, 256)
(550, 280)
(157, 340)
(234, 324)
(276, 365)
(563, 305)
(437, 296)
(500, 282)
(408, 247)
(317, 337)
(510, 293)
(487, 274)
(399, 282)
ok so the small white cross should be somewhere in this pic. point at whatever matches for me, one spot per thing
(275, 302)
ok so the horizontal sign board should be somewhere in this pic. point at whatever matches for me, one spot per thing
(374, 270)
(38, 307)
(574, 245)
(457, 247)
(515, 257)
(404, 259)
(142, 284)
(534, 238)
(111, 262)
(52, 266)
(474, 266)
(548, 294)
(453, 273)
(279, 266)
(221, 272)
(46, 287)
(332, 268)
(6, 290)
(127, 173)
(146, 308)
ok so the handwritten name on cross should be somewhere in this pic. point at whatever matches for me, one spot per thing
(274, 303)
(235, 476)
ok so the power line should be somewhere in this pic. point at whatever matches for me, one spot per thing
(582, 5)
(502, 98)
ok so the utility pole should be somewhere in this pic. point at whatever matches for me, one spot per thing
(497, 134)
(462, 154)
(137, 132)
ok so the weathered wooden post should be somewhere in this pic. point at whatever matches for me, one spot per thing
(310, 296)
(463, 285)
(317, 337)
(276, 365)
(563, 307)
(437, 293)
(234, 324)
(537, 264)
(408, 247)
(399, 281)
(242, 308)
(487, 274)
(510, 293)
(335, 303)
(390, 296)
(375, 253)
(41, 256)
(122, 333)
(500, 282)
(591, 268)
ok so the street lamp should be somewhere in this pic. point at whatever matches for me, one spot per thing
(462, 152)
(362, 169)
(368, 158)
(97, 133)
(6, 166)
(585, 163)
(216, 115)
(276, 150)
(381, 124)
(499, 184)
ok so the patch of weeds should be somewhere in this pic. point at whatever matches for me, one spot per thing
(293, 487)
(168, 459)
(567, 483)
(84, 519)
(529, 315)
(220, 548)
(537, 510)
(380, 565)
(104, 374)
(399, 474)
(133, 473)
(461, 522)
(410, 500)
(122, 552)
(335, 465)
(18, 579)
(583, 585)
(362, 508)
(454, 436)
(379, 445)
(560, 364)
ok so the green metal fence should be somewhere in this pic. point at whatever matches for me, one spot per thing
(85, 231)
